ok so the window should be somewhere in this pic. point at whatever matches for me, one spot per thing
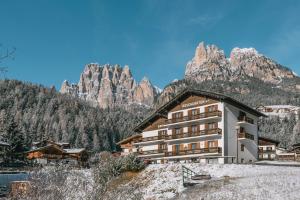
(242, 160)
(242, 147)
(162, 134)
(177, 130)
(194, 128)
(269, 148)
(177, 115)
(194, 111)
(177, 148)
(194, 145)
(213, 125)
(212, 144)
(212, 108)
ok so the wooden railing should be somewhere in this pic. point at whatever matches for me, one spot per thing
(193, 117)
(153, 138)
(245, 119)
(181, 135)
(194, 151)
(246, 135)
(194, 134)
(156, 151)
(266, 151)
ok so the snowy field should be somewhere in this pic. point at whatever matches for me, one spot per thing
(246, 182)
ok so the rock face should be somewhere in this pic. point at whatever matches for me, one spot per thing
(210, 63)
(109, 86)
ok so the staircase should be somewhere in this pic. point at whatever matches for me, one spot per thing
(190, 178)
(187, 175)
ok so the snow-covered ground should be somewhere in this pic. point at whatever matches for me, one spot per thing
(246, 182)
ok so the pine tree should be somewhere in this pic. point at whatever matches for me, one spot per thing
(16, 140)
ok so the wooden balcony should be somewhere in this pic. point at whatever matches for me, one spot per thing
(194, 151)
(150, 152)
(245, 119)
(244, 135)
(150, 139)
(266, 151)
(195, 134)
(194, 117)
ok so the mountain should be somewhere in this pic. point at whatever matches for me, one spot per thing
(41, 113)
(111, 86)
(210, 63)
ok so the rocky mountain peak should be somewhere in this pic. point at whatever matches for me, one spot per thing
(210, 63)
(109, 86)
(207, 53)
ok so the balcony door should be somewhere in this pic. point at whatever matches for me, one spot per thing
(177, 117)
(193, 114)
(162, 134)
(210, 126)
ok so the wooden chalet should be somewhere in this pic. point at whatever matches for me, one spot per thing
(47, 151)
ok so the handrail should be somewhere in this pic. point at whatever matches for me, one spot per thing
(182, 135)
(194, 151)
(156, 151)
(194, 134)
(193, 117)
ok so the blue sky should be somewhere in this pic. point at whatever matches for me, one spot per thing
(156, 38)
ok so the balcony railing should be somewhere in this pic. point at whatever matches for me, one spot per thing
(194, 134)
(149, 152)
(194, 151)
(153, 138)
(244, 135)
(266, 151)
(245, 119)
(193, 117)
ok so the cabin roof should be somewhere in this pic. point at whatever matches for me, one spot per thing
(46, 147)
(4, 143)
(74, 150)
(162, 111)
(269, 140)
(126, 140)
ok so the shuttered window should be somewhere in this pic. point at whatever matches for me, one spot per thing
(194, 128)
(212, 125)
(211, 108)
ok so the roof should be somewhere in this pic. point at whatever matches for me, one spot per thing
(4, 143)
(45, 147)
(162, 111)
(296, 145)
(74, 150)
(269, 140)
(129, 138)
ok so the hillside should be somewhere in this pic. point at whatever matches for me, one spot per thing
(44, 113)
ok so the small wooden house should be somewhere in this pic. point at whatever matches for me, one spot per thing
(46, 152)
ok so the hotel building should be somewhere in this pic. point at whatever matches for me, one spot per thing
(198, 126)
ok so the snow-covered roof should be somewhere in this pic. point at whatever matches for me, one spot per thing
(74, 150)
(3, 143)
